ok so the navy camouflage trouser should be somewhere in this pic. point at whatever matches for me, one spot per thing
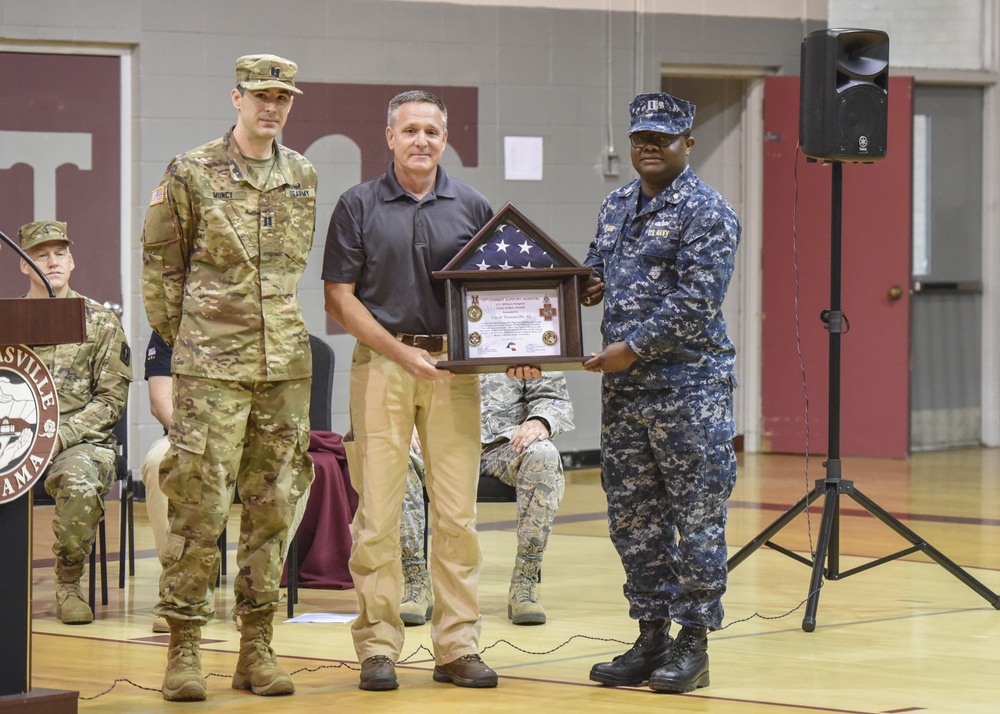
(668, 467)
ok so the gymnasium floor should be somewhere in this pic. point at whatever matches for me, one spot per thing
(904, 636)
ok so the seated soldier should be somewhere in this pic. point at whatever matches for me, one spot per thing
(519, 417)
(92, 380)
(157, 373)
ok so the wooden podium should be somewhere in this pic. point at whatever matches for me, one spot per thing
(42, 321)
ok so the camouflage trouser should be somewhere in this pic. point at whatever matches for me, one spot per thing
(536, 473)
(78, 478)
(253, 436)
(668, 467)
(156, 502)
(414, 518)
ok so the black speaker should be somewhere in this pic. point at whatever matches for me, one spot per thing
(844, 95)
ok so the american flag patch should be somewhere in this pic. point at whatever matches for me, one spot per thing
(157, 196)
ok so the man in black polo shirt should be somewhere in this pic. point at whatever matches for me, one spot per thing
(386, 236)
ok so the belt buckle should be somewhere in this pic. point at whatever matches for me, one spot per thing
(433, 343)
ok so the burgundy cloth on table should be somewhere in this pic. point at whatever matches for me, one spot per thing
(324, 536)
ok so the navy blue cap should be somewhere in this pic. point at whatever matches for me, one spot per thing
(661, 113)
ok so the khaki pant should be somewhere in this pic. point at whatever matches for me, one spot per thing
(386, 403)
(156, 502)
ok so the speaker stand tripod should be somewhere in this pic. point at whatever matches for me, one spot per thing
(833, 486)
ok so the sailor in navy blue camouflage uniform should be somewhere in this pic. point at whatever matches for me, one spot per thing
(662, 259)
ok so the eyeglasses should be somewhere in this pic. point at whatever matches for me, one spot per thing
(641, 140)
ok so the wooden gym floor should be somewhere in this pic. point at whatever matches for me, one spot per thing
(904, 636)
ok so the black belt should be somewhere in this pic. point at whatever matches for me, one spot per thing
(431, 343)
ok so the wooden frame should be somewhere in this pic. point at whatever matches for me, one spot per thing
(562, 276)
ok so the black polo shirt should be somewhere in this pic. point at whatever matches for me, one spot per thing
(388, 243)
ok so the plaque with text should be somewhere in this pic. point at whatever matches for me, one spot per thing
(512, 323)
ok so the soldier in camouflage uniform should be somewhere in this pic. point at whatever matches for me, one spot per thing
(225, 241)
(662, 259)
(92, 381)
(520, 417)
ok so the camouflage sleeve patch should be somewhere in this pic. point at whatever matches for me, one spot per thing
(157, 196)
(119, 360)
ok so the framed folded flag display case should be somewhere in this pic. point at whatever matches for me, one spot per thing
(513, 298)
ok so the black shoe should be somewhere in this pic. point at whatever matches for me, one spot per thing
(466, 671)
(687, 668)
(650, 651)
(378, 674)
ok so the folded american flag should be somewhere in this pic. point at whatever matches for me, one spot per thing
(507, 248)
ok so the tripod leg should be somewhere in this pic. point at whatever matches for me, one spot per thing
(830, 505)
(782, 521)
(936, 555)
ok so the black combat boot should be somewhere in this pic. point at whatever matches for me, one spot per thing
(687, 668)
(650, 651)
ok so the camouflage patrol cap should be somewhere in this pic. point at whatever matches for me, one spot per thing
(661, 113)
(265, 71)
(31, 234)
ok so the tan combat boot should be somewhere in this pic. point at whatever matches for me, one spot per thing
(183, 681)
(257, 668)
(523, 607)
(418, 604)
(71, 607)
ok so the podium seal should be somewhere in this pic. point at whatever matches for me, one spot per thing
(29, 420)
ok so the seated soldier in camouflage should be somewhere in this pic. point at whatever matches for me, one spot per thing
(92, 380)
(519, 418)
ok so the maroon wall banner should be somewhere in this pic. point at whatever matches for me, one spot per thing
(60, 158)
(358, 111)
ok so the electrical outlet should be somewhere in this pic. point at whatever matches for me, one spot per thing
(612, 165)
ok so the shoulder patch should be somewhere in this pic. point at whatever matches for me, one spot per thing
(126, 355)
(157, 196)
